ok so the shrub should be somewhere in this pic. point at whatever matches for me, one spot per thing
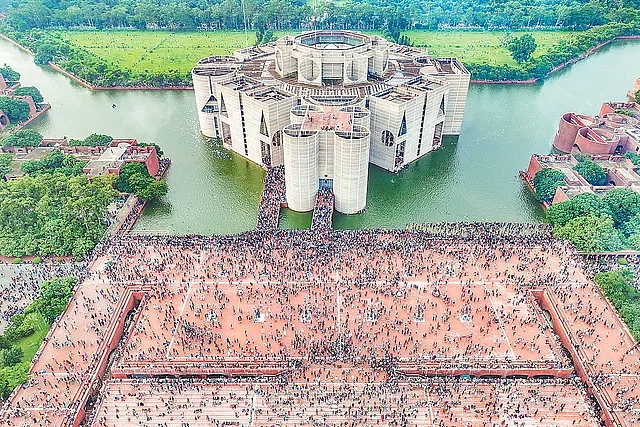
(545, 183)
(16, 109)
(622, 261)
(16, 261)
(37, 260)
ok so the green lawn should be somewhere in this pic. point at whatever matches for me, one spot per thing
(31, 344)
(157, 50)
(479, 47)
(161, 50)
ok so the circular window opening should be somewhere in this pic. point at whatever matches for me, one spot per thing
(387, 138)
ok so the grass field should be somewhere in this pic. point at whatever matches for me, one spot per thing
(160, 50)
(479, 47)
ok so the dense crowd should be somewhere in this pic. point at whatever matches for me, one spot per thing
(353, 402)
(373, 300)
(323, 210)
(20, 284)
(272, 196)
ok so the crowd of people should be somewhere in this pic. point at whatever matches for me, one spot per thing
(297, 401)
(323, 210)
(371, 299)
(272, 197)
(20, 284)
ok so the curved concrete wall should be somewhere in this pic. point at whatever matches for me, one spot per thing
(566, 134)
(351, 170)
(301, 164)
(587, 145)
(202, 91)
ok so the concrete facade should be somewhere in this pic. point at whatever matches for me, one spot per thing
(325, 104)
(621, 173)
(615, 130)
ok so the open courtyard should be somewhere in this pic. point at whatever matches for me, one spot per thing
(470, 327)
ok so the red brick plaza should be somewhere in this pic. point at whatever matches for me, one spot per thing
(352, 328)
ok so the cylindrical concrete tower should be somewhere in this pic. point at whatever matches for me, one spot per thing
(351, 169)
(203, 94)
(301, 164)
(568, 128)
(204, 75)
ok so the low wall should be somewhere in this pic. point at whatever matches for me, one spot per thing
(547, 302)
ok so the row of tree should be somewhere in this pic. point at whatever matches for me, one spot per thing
(294, 14)
(617, 286)
(565, 50)
(51, 302)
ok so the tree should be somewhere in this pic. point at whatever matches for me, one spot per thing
(45, 53)
(54, 297)
(22, 138)
(9, 74)
(5, 164)
(54, 162)
(16, 109)
(134, 178)
(545, 183)
(31, 91)
(617, 286)
(522, 47)
(11, 356)
(638, 97)
(93, 140)
(624, 203)
(592, 172)
(591, 233)
(580, 205)
(53, 214)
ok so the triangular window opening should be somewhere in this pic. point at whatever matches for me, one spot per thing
(223, 108)
(403, 126)
(263, 126)
(442, 106)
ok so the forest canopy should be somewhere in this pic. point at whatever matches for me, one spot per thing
(294, 14)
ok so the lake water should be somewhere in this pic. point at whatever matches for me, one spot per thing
(473, 178)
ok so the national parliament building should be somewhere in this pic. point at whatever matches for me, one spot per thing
(326, 103)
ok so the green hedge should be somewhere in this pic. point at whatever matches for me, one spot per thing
(564, 51)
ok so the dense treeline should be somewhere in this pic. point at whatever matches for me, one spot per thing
(295, 14)
(599, 224)
(53, 212)
(618, 287)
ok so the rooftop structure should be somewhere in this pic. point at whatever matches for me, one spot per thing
(615, 130)
(325, 104)
(483, 327)
(100, 160)
(621, 173)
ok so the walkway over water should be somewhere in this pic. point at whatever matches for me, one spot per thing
(273, 195)
(323, 210)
